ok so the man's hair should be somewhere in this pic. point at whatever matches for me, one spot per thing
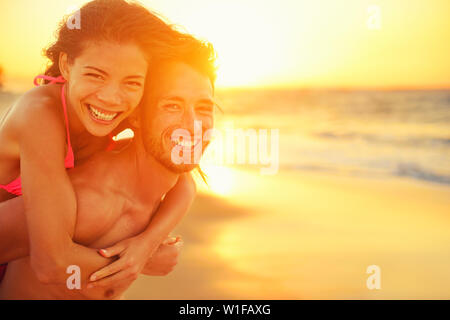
(198, 54)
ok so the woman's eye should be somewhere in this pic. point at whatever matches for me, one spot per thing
(134, 84)
(96, 76)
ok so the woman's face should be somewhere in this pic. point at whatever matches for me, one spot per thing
(105, 84)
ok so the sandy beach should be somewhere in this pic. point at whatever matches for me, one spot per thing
(302, 235)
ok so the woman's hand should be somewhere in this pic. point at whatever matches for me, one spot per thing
(135, 257)
(132, 256)
(165, 258)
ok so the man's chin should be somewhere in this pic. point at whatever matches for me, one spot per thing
(181, 168)
(177, 168)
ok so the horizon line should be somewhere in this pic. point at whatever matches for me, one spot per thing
(14, 88)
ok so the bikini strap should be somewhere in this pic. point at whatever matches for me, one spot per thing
(66, 119)
(52, 80)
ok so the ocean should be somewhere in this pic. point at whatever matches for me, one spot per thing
(354, 132)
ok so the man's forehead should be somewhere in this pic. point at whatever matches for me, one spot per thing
(178, 79)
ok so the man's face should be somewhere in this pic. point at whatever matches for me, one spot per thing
(182, 98)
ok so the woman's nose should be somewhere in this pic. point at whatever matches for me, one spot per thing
(110, 94)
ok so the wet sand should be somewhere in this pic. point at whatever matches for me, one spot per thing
(306, 235)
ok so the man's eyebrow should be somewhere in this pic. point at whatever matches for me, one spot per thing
(206, 100)
(176, 98)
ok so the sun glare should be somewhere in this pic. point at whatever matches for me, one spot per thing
(221, 180)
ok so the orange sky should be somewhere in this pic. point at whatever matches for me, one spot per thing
(324, 43)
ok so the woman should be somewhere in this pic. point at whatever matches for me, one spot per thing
(95, 80)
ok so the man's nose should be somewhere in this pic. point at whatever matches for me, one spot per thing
(190, 120)
(110, 94)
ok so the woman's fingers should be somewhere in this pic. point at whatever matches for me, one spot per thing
(112, 251)
(179, 244)
(109, 270)
(170, 240)
(111, 281)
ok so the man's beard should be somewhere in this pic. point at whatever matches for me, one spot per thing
(154, 147)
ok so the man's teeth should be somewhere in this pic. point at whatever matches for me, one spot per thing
(101, 115)
(187, 144)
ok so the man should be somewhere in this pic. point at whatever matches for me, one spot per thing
(115, 201)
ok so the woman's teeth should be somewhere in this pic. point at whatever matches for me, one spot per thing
(101, 115)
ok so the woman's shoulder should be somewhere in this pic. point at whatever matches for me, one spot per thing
(36, 118)
(40, 99)
(37, 108)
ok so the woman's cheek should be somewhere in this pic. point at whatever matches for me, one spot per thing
(135, 99)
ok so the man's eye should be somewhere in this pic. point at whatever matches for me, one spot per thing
(172, 107)
(205, 109)
(96, 76)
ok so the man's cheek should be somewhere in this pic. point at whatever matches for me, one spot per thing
(207, 126)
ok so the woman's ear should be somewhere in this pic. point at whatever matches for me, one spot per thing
(64, 67)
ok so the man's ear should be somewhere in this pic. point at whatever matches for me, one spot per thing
(64, 66)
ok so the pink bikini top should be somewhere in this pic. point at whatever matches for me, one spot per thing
(15, 187)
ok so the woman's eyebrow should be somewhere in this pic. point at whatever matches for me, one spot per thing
(105, 73)
(97, 69)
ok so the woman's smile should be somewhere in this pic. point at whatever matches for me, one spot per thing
(100, 115)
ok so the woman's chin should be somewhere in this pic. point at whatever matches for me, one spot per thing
(101, 130)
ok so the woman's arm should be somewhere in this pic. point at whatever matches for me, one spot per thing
(13, 230)
(14, 242)
(49, 200)
(138, 250)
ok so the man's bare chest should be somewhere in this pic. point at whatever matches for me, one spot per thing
(108, 216)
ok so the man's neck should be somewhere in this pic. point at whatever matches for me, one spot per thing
(147, 178)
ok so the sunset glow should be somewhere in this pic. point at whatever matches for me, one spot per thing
(275, 43)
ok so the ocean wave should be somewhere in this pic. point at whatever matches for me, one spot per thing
(402, 169)
(413, 170)
(385, 139)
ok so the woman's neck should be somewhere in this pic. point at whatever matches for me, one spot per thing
(84, 144)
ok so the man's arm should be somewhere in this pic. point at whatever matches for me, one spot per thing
(136, 251)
